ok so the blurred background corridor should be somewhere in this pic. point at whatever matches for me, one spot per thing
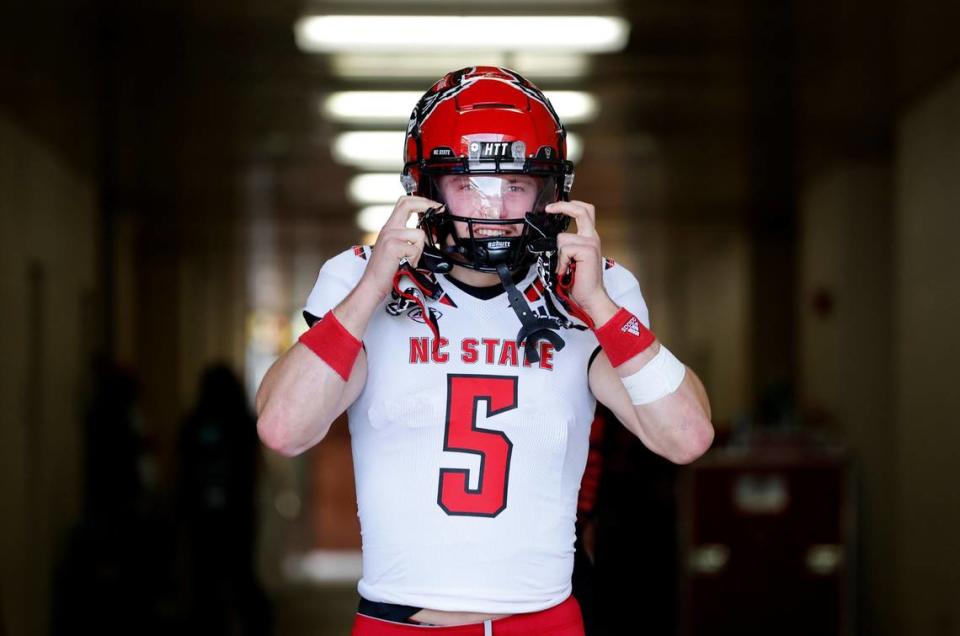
(783, 177)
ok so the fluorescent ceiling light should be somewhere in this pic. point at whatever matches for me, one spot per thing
(376, 187)
(550, 65)
(381, 66)
(393, 107)
(378, 150)
(574, 147)
(383, 150)
(585, 34)
(372, 217)
(573, 107)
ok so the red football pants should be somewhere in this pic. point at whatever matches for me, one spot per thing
(564, 619)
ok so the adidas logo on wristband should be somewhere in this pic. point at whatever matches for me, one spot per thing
(623, 336)
(632, 327)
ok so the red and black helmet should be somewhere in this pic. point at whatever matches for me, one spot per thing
(487, 120)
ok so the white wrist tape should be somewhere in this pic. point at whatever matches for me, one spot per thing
(658, 378)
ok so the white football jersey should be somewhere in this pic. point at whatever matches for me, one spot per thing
(468, 456)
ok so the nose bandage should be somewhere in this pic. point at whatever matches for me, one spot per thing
(492, 197)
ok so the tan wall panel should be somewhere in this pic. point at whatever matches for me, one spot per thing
(927, 351)
(48, 244)
(846, 311)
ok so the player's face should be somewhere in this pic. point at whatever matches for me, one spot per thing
(498, 197)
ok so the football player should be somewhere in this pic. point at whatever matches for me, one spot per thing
(469, 352)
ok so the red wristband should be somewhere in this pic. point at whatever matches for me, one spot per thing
(333, 344)
(623, 337)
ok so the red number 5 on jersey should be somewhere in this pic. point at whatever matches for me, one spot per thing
(464, 393)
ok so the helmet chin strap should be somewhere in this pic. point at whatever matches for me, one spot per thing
(534, 327)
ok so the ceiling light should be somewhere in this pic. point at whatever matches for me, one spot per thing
(550, 65)
(372, 217)
(586, 34)
(377, 187)
(574, 147)
(393, 107)
(573, 107)
(407, 66)
(378, 150)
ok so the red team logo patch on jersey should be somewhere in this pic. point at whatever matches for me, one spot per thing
(359, 251)
(416, 315)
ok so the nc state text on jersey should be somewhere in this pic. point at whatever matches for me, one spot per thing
(479, 350)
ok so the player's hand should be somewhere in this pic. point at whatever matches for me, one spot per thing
(583, 248)
(395, 243)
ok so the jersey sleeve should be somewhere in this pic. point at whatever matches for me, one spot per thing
(336, 279)
(624, 290)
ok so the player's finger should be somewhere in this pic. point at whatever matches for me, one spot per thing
(398, 250)
(406, 205)
(404, 244)
(411, 234)
(567, 254)
(566, 239)
(578, 212)
(574, 247)
(591, 210)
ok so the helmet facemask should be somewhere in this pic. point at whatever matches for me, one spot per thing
(492, 220)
